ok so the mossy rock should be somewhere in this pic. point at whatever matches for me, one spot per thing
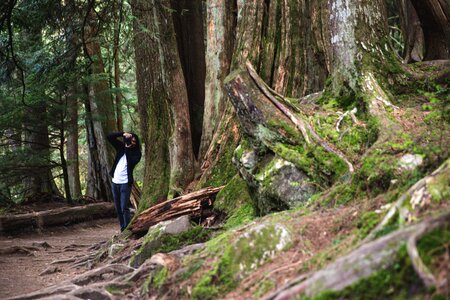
(154, 239)
(274, 182)
(246, 253)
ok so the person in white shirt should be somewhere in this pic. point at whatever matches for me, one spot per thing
(128, 154)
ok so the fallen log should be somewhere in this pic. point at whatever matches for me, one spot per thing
(54, 217)
(190, 204)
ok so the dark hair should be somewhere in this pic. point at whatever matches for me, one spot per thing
(138, 142)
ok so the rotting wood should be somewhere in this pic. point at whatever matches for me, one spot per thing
(189, 204)
(54, 217)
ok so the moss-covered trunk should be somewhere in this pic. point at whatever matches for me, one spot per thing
(163, 103)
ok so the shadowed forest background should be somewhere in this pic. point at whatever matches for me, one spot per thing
(306, 142)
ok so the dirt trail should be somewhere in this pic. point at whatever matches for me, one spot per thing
(20, 272)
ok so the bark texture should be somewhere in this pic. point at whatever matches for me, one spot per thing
(72, 143)
(190, 204)
(220, 22)
(163, 102)
(101, 113)
(188, 25)
(55, 217)
(434, 15)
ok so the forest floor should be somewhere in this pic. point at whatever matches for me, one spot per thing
(29, 267)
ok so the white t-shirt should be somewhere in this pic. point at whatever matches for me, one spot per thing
(120, 173)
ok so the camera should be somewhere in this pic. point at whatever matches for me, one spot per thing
(127, 142)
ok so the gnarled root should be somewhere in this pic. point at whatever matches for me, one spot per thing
(303, 126)
(364, 261)
(417, 188)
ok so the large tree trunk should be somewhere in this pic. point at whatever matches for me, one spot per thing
(412, 33)
(39, 177)
(163, 103)
(101, 108)
(188, 25)
(434, 15)
(72, 143)
(116, 50)
(220, 26)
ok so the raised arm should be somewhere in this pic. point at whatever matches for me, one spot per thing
(112, 138)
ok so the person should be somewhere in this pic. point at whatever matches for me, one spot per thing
(128, 154)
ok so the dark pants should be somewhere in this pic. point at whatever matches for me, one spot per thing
(121, 194)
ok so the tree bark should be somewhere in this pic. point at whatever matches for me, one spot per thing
(220, 26)
(163, 103)
(434, 16)
(72, 143)
(412, 33)
(55, 217)
(39, 177)
(101, 108)
(188, 25)
(116, 53)
(189, 204)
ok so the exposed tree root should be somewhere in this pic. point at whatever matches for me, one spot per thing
(50, 270)
(42, 244)
(421, 269)
(417, 188)
(298, 122)
(27, 250)
(362, 262)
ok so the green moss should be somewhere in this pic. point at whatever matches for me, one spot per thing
(264, 286)
(439, 188)
(376, 172)
(198, 234)
(287, 130)
(339, 194)
(191, 270)
(367, 222)
(243, 215)
(238, 259)
(204, 289)
(114, 290)
(398, 281)
(223, 169)
(156, 242)
(150, 242)
(160, 278)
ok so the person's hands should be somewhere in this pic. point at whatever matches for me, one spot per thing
(127, 135)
